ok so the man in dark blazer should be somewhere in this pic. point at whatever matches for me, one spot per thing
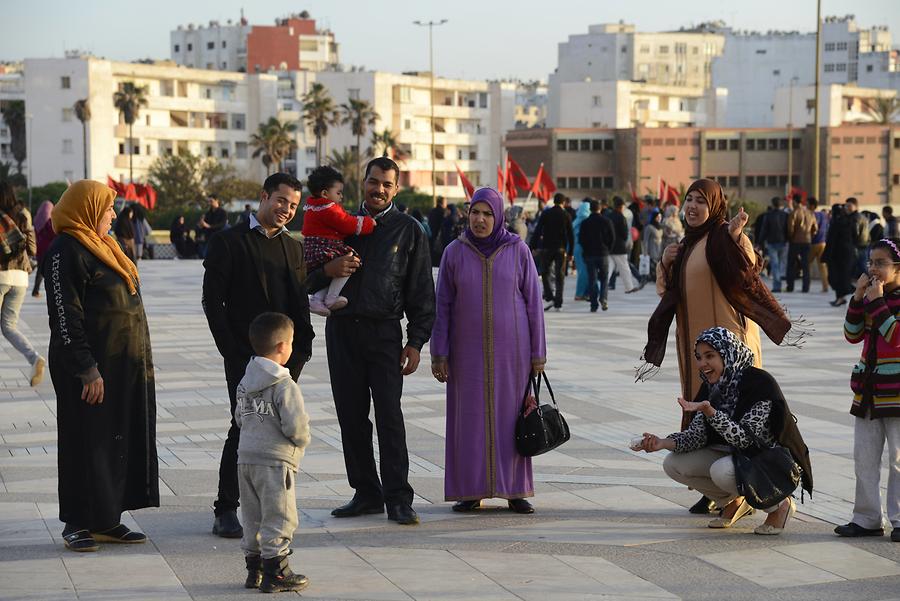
(367, 358)
(253, 268)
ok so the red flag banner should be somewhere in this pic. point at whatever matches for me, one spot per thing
(543, 187)
(797, 191)
(668, 194)
(500, 179)
(515, 173)
(468, 188)
(116, 186)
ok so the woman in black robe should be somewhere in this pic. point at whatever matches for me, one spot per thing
(102, 372)
(840, 255)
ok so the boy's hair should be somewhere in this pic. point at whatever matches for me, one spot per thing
(891, 245)
(267, 330)
(322, 178)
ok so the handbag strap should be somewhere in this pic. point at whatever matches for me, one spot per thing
(536, 384)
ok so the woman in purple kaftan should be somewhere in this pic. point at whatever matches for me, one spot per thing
(488, 338)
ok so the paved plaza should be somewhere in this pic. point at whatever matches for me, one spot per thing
(609, 524)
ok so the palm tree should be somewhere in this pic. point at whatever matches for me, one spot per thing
(319, 112)
(883, 109)
(14, 117)
(386, 142)
(344, 161)
(83, 112)
(274, 141)
(359, 114)
(128, 100)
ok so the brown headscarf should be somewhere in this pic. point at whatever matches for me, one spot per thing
(78, 213)
(736, 274)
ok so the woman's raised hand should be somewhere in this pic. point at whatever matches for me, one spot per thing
(670, 254)
(440, 369)
(737, 223)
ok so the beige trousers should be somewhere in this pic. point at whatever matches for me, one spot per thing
(708, 471)
(815, 256)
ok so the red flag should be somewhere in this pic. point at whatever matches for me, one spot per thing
(468, 188)
(130, 192)
(116, 186)
(634, 195)
(668, 194)
(515, 173)
(543, 186)
(151, 196)
(798, 191)
(500, 179)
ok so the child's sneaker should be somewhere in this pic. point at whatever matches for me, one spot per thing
(335, 302)
(318, 307)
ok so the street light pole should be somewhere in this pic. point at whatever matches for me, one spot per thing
(430, 25)
(815, 186)
(29, 153)
(790, 173)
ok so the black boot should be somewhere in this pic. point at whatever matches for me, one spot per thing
(703, 506)
(254, 571)
(277, 576)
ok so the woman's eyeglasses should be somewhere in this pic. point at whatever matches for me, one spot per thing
(881, 263)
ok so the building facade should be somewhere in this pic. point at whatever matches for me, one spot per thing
(751, 164)
(205, 113)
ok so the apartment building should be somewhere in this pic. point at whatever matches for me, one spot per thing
(202, 112)
(12, 88)
(292, 43)
(838, 104)
(752, 163)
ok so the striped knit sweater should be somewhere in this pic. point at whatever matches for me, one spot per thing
(875, 380)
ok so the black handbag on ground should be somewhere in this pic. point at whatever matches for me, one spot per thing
(765, 475)
(544, 428)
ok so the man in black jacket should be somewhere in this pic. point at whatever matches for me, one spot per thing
(773, 237)
(366, 355)
(596, 237)
(554, 237)
(859, 229)
(253, 268)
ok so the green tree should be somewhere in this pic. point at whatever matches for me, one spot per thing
(274, 141)
(128, 100)
(16, 180)
(177, 179)
(14, 116)
(387, 145)
(83, 112)
(319, 113)
(359, 115)
(344, 160)
(50, 191)
(221, 180)
(883, 109)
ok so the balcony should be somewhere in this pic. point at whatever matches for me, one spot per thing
(440, 138)
(198, 134)
(140, 161)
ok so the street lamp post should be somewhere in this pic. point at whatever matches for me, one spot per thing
(815, 183)
(28, 153)
(790, 145)
(431, 25)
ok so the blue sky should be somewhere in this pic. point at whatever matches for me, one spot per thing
(483, 38)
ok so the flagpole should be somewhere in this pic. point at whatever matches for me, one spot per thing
(531, 190)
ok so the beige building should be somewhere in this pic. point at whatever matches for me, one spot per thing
(838, 104)
(206, 113)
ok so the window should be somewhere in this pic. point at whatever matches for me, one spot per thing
(776, 72)
(482, 100)
(585, 183)
(407, 124)
(868, 68)
(733, 181)
(209, 151)
(829, 46)
(710, 144)
(405, 94)
(734, 145)
(782, 181)
(121, 148)
(177, 48)
(841, 46)
(608, 145)
(773, 143)
(695, 49)
(760, 181)
(573, 183)
(573, 144)
(148, 150)
(584, 144)
(210, 45)
(608, 182)
(210, 66)
(65, 82)
(841, 67)
(772, 181)
(596, 183)
(225, 65)
(561, 182)
(353, 93)
(596, 145)
(223, 153)
(829, 68)
(721, 144)
(67, 146)
(68, 114)
(147, 119)
(240, 150)
(645, 49)
(751, 144)
(237, 120)
(761, 51)
(597, 101)
(190, 47)
(224, 44)
(664, 50)
(561, 145)
(208, 93)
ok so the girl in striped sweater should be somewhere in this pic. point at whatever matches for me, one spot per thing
(873, 318)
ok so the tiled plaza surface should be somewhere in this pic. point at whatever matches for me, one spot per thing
(609, 524)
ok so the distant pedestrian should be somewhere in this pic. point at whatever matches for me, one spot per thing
(891, 226)
(557, 240)
(142, 230)
(873, 318)
(44, 234)
(581, 282)
(774, 238)
(802, 226)
(859, 232)
(840, 254)
(622, 245)
(817, 246)
(596, 237)
(124, 230)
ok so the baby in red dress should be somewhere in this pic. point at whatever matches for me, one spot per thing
(325, 225)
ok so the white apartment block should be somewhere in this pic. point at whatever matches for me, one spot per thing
(12, 87)
(205, 113)
(838, 104)
(531, 105)
(471, 118)
(216, 47)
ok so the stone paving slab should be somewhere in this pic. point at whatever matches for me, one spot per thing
(609, 524)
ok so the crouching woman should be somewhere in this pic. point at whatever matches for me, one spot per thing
(737, 405)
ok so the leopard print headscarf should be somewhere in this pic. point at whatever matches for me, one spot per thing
(737, 356)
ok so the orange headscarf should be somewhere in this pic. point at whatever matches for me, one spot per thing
(78, 213)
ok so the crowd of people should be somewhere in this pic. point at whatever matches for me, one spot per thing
(484, 318)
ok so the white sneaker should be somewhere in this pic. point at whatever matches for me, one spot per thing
(37, 371)
(318, 307)
(335, 302)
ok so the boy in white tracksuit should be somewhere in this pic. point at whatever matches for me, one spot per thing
(274, 432)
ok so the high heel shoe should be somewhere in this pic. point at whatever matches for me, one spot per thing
(838, 302)
(767, 530)
(743, 510)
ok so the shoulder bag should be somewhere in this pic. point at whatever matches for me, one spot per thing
(544, 428)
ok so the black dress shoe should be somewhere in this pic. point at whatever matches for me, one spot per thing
(520, 506)
(895, 535)
(703, 506)
(403, 514)
(227, 525)
(356, 507)
(466, 506)
(854, 530)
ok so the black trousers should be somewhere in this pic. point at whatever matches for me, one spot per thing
(364, 368)
(552, 264)
(798, 258)
(228, 496)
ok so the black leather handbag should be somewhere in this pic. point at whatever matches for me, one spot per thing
(765, 475)
(544, 428)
